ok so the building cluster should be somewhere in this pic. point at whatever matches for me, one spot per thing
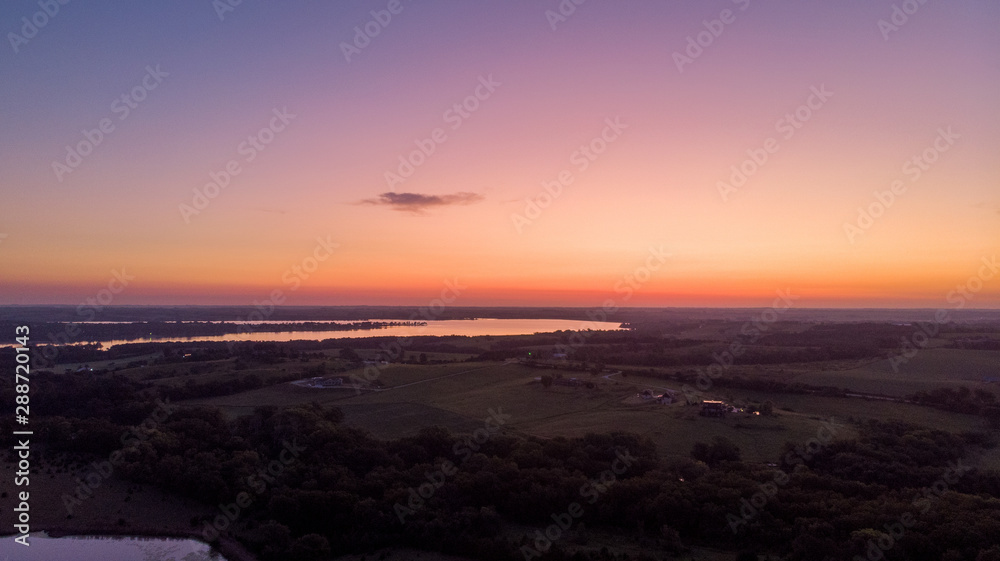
(321, 382)
(665, 398)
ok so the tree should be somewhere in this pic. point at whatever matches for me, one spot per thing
(423, 358)
(271, 539)
(670, 540)
(767, 408)
(985, 397)
(547, 381)
(720, 450)
(310, 547)
(952, 555)
(350, 354)
(992, 415)
(991, 554)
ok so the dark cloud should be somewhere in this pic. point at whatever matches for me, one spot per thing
(418, 203)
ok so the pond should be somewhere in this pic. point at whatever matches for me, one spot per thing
(105, 548)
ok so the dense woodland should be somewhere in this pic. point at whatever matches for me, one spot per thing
(347, 492)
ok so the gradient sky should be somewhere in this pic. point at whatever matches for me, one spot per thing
(655, 186)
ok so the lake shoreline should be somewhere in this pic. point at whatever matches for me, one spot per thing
(285, 332)
(228, 547)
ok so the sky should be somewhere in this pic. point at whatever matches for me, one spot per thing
(634, 153)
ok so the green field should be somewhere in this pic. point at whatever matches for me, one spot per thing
(459, 396)
(929, 369)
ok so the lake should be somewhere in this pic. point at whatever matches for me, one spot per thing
(103, 548)
(467, 327)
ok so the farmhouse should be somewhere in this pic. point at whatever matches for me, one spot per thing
(667, 397)
(320, 382)
(713, 409)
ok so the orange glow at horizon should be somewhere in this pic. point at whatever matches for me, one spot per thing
(643, 154)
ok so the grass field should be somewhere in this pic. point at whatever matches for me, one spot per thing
(460, 396)
(929, 369)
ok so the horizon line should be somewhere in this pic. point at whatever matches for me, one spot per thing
(503, 307)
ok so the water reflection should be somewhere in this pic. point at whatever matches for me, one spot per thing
(105, 548)
(439, 328)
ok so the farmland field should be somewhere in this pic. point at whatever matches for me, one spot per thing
(458, 396)
(929, 369)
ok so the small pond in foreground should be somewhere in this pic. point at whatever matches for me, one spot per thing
(106, 548)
